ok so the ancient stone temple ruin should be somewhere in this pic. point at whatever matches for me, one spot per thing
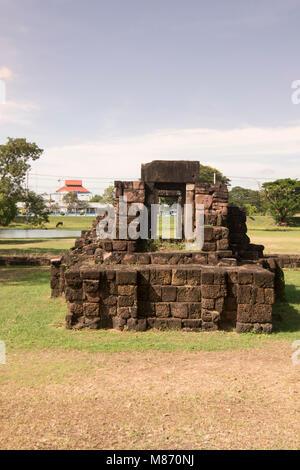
(124, 283)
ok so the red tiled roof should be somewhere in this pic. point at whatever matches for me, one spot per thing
(73, 182)
(73, 185)
(71, 189)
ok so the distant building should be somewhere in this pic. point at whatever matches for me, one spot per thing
(71, 186)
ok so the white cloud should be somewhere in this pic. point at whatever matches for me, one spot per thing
(17, 112)
(6, 73)
(258, 152)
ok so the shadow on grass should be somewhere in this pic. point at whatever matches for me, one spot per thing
(291, 228)
(286, 316)
(28, 276)
(295, 222)
(6, 241)
(34, 251)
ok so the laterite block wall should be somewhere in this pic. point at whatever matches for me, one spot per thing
(192, 297)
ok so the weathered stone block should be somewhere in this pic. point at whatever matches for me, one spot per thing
(90, 272)
(245, 294)
(209, 234)
(168, 293)
(168, 323)
(127, 290)
(207, 277)
(90, 287)
(132, 245)
(138, 185)
(209, 246)
(179, 277)
(160, 276)
(219, 277)
(213, 292)
(199, 258)
(209, 326)
(107, 245)
(76, 308)
(194, 310)
(137, 195)
(127, 312)
(130, 258)
(137, 325)
(108, 310)
(155, 293)
(162, 310)
(126, 301)
(219, 304)
(119, 323)
(269, 295)
(109, 274)
(206, 315)
(142, 258)
(208, 304)
(74, 283)
(258, 313)
(188, 294)
(191, 323)
(245, 277)
(244, 327)
(194, 277)
(259, 294)
(91, 309)
(143, 276)
(264, 278)
(215, 316)
(222, 244)
(73, 294)
(109, 300)
(146, 309)
(179, 309)
(126, 277)
(119, 245)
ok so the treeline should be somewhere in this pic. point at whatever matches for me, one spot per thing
(254, 201)
(280, 199)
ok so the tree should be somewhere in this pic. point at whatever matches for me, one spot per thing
(8, 210)
(239, 196)
(15, 157)
(96, 198)
(36, 209)
(283, 198)
(207, 175)
(107, 196)
(71, 200)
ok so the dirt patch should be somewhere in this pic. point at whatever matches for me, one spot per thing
(173, 400)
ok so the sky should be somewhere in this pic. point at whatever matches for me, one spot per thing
(103, 86)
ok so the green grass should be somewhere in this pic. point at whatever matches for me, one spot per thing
(263, 231)
(31, 320)
(69, 223)
(35, 246)
(266, 222)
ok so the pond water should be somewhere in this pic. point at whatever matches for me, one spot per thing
(40, 233)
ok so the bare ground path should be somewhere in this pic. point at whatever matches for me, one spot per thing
(245, 399)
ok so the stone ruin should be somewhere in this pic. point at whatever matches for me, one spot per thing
(120, 284)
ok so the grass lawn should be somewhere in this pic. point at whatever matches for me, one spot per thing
(263, 231)
(69, 223)
(29, 319)
(35, 246)
(63, 389)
